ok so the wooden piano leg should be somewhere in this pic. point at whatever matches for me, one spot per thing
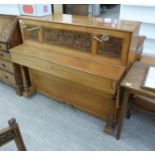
(19, 91)
(110, 123)
(122, 114)
(108, 128)
(18, 78)
(28, 90)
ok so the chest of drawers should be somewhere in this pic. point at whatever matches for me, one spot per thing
(10, 36)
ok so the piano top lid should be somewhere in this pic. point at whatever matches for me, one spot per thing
(7, 25)
(87, 21)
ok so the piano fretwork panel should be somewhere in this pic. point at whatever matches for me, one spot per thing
(74, 40)
(111, 48)
(68, 39)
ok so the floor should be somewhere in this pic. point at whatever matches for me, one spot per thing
(48, 125)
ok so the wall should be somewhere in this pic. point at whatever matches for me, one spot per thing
(145, 14)
(11, 9)
(58, 8)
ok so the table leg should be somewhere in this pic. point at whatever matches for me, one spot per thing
(110, 118)
(123, 112)
(130, 107)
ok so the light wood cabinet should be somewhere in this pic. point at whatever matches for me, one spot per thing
(10, 36)
(78, 60)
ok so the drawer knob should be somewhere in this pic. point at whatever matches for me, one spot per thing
(3, 65)
(1, 54)
(6, 76)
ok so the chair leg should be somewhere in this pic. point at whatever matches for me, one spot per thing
(122, 114)
(18, 137)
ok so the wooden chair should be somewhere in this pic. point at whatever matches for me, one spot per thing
(12, 133)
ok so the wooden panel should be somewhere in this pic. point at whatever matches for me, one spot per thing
(133, 48)
(75, 62)
(16, 37)
(7, 78)
(111, 47)
(31, 32)
(78, 54)
(7, 24)
(68, 39)
(94, 75)
(120, 54)
(120, 25)
(8, 66)
(144, 102)
(89, 100)
(81, 77)
(4, 56)
(3, 47)
(80, 28)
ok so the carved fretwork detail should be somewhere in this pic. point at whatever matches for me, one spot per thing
(31, 35)
(111, 48)
(6, 137)
(70, 39)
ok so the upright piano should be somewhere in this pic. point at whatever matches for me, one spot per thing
(78, 60)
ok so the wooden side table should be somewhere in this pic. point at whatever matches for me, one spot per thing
(131, 85)
(141, 101)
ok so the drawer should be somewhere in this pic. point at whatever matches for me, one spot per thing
(3, 47)
(7, 78)
(4, 55)
(6, 66)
